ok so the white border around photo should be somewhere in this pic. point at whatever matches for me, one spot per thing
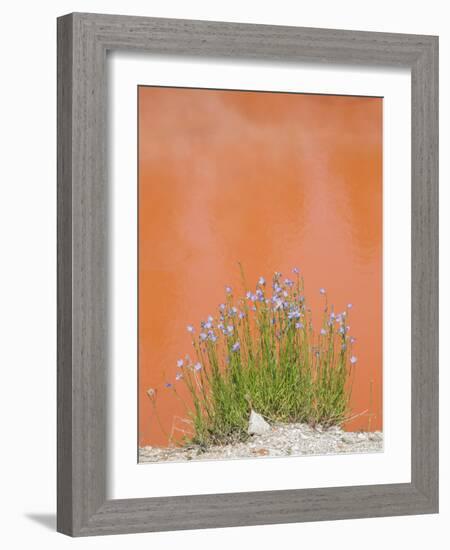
(128, 479)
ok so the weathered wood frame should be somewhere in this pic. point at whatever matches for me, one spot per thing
(83, 41)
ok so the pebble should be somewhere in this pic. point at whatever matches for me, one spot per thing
(257, 425)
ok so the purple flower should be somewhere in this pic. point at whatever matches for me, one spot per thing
(210, 318)
(241, 315)
(323, 331)
(236, 346)
(212, 336)
(197, 366)
(203, 336)
(278, 304)
(228, 289)
(296, 270)
(229, 330)
(353, 359)
(295, 314)
(261, 281)
(233, 311)
(179, 376)
(207, 325)
(322, 291)
(222, 307)
(168, 385)
(352, 340)
(349, 306)
(341, 330)
(288, 282)
(190, 329)
(180, 363)
(299, 325)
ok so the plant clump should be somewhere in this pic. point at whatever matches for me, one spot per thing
(260, 352)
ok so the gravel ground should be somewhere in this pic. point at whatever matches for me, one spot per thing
(282, 440)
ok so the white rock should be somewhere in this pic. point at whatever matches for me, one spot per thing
(257, 425)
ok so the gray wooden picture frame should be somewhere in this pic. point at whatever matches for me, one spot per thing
(83, 41)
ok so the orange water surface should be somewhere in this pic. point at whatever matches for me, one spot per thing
(271, 180)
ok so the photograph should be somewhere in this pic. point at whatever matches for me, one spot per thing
(260, 274)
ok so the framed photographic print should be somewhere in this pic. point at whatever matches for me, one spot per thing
(247, 274)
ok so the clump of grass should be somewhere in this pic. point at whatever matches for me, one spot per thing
(261, 352)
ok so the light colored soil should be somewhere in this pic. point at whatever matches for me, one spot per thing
(282, 440)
